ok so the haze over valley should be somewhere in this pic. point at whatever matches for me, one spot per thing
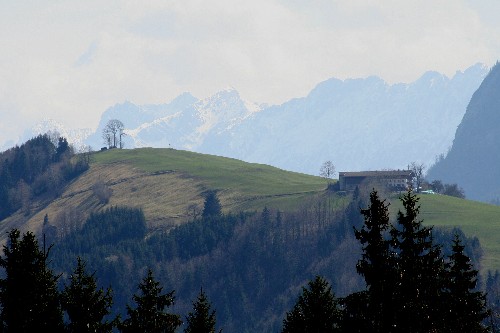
(250, 166)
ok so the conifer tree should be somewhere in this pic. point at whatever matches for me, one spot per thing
(149, 315)
(377, 263)
(28, 293)
(316, 310)
(212, 206)
(420, 266)
(202, 318)
(86, 305)
(466, 307)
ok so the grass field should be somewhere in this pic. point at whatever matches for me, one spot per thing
(168, 185)
(248, 186)
(474, 218)
(255, 184)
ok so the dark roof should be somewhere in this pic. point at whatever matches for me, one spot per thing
(391, 173)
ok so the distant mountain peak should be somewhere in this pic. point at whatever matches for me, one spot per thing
(478, 67)
(359, 123)
(75, 137)
(229, 89)
(226, 93)
(184, 99)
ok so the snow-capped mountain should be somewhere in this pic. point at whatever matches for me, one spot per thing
(185, 123)
(145, 124)
(359, 124)
(76, 137)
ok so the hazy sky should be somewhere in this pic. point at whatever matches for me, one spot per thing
(70, 60)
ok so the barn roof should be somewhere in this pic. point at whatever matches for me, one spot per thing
(390, 173)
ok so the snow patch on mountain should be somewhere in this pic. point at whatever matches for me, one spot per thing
(76, 137)
(359, 124)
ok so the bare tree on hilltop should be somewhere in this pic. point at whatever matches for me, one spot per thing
(327, 170)
(417, 170)
(113, 134)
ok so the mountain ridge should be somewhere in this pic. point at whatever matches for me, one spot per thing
(388, 125)
(472, 160)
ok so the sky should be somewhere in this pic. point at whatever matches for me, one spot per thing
(71, 60)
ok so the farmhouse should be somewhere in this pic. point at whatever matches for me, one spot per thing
(395, 179)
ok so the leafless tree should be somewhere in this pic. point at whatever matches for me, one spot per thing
(122, 143)
(69, 220)
(85, 153)
(113, 133)
(20, 197)
(102, 191)
(327, 170)
(417, 170)
(54, 136)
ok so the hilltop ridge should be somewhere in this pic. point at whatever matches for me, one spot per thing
(169, 186)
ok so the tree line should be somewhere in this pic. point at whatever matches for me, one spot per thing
(410, 285)
(405, 272)
(39, 167)
(31, 302)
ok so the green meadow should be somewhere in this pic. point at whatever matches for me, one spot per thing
(252, 186)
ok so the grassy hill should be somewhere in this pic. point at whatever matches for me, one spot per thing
(241, 186)
(216, 172)
(473, 217)
(169, 185)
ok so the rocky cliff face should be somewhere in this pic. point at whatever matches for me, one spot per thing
(474, 159)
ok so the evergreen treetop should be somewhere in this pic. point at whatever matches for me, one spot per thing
(28, 293)
(316, 310)
(85, 304)
(149, 315)
(377, 264)
(420, 269)
(212, 207)
(202, 318)
(466, 306)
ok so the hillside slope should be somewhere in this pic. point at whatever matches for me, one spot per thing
(169, 186)
(476, 219)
